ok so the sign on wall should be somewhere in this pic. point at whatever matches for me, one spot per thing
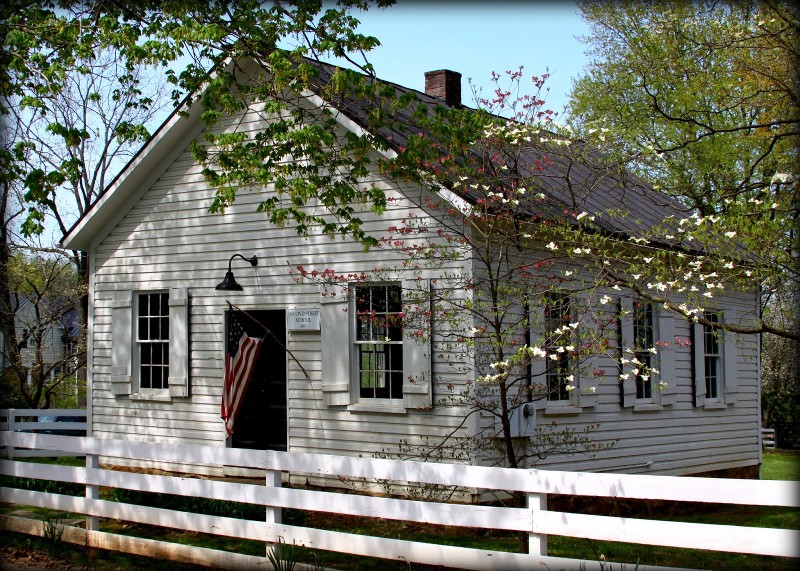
(302, 319)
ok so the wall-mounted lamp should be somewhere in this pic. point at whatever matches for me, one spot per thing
(229, 283)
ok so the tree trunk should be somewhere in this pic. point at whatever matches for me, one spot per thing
(10, 351)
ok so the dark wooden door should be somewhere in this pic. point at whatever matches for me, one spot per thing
(262, 420)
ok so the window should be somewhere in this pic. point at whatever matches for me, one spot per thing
(554, 318)
(558, 336)
(369, 362)
(379, 341)
(712, 357)
(152, 341)
(150, 344)
(644, 344)
(715, 361)
(647, 352)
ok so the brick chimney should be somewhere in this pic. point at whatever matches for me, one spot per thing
(445, 84)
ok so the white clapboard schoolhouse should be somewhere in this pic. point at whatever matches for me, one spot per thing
(158, 333)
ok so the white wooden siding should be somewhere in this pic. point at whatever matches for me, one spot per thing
(680, 438)
(168, 239)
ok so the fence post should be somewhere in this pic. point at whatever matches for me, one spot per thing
(273, 480)
(92, 490)
(12, 428)
(537, 542)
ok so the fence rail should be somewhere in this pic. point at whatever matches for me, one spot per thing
(768, 437)
(534, 520)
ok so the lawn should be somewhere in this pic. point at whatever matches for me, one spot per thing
(781, 465)
(778, 465)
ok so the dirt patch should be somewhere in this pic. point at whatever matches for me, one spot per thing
(18, 557)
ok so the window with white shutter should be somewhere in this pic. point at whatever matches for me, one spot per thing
(368, 359)
(150, 343)
(715, 359)
(555, 324)
(647, 366)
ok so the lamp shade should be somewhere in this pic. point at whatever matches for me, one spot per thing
(229, 283)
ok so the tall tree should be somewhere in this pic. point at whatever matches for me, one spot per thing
(48, 44)
(85, 131)
(44, 356)
(75, 102)
(703, 99)
(11, 212)
(72, 131)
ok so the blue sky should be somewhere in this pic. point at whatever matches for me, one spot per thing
(476, 38)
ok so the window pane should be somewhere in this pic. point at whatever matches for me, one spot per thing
(394, 301)
(160, 355)
(644, 385)
(152, 334)
(711, 376)
(379, 336)
(558, 335)
(379, 299)
(643, 325)
(395, 357)
(379, 366)
(644, 343)
(144, 377)
(366, 363)
(711, 356)
(710, 335)
(155, 328)
(363, 329)
(146, 353)
(396, 385)
(379, 331)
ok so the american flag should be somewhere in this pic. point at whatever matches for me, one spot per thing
(240, 358)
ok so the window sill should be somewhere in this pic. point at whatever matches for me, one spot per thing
(715, 405)
(151, 397)
(388, 408)
(561, 409)
(647, 407)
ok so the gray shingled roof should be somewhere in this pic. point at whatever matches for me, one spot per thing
(645, 208)
(598, 192)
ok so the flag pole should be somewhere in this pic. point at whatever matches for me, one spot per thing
(267, 330)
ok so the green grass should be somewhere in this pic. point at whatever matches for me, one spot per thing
(781, 465)
(778, 465)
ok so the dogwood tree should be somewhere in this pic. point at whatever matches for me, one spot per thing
(547, 236)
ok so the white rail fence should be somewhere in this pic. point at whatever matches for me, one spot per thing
(535, 520)
(64, 421)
